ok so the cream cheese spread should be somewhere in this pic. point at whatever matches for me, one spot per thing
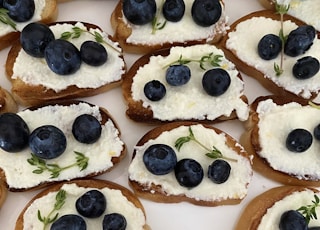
(116, 203)
(35, 71)
(243, 41)
(234, 188)
(190, 101)
(19, 173)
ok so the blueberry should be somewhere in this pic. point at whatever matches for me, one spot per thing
(114, 221)
(69, 222)
(91, 204)
(219, 171)
(177, 75)
(93, 53)
(14, 132)
(299, 140)
(139, 12)
(19, 10)
(299, 40)
(35, 37)
(206, 12)
(86, 129)
(159, 159)
(316, 132)
(314, 228)
(216, 81)
(154, 90)
(188, 172)
(173, 10)
(62, 57)
(269, 46)
(47, 142)
(306, 67)
(292, 219)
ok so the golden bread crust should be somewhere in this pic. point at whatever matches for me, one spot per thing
(3, 192)
(7, 103)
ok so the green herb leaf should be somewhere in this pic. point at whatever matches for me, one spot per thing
(309, 211)
(4, 18)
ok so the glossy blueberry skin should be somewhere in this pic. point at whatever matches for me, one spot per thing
(299, 140)
(154, 90)
(219, 171)
(206, 12)
(14, 132)
(177, 75)
(62, 57)
(216, 81)
(114, 221)
(159, 159)
(173, 10)
(35, 37)
(19, 10)
(86, 129)
(93, 53)
(269, 46)
(188, 172)
(305, 68)
(292, 219)
(47, 142)
(91, 204)
(139, 12)
(69, 222)
(316, 132)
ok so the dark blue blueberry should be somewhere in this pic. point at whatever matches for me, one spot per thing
(316, 132)
(86, 129)
(206, 12)
(92, 204)
(62, 57)
(299, 140)
(139, 12)
(14, 132)
(188, 172)
(159, 159)
(154, 90)
(114, 221)
(177, 75)
(47, 142)
(35, 37)
(173, 10)
(93, 53)
(292, 219)
(314, 228)
(69, 222)
(19, 10)
(306, 67)
(216, 81)
(219, 171)
(269, 46)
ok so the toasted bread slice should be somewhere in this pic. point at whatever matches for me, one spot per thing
(118, 198)
(3, 192)
(166, 189)
(85, 160)
(185, 102)
(7, 103)
(42, 85)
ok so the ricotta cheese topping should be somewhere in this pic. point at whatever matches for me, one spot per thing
(275, 123)
(244, 44)
(116, 203)
(35, 71)
(19, 173)
(234, 188)
(190, 101)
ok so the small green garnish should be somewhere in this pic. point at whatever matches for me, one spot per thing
(4, 18)
(60, 201)
(55, 169)
(156, 25)
(309, 211)
(212, 153)
(314, 105)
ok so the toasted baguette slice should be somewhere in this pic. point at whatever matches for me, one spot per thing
(7, 103)
(47, 14)
(166, 189)
(188, 101)
(271, 120)
(240, 46)
(3, 192)
(42, 85)
(142, 39)
(118, 198)
(92, 159)
(276, 200)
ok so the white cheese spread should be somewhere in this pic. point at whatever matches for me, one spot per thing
(234, 188)
(19, 173)
(190, 101)
(116, 203)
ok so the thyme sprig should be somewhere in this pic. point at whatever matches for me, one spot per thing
(4, 18)
(60, 201)
(55, 169)
(155, 23)
(213, 153)
(309, 211)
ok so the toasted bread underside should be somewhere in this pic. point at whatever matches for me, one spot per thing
(7, 103)
(3, 192)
